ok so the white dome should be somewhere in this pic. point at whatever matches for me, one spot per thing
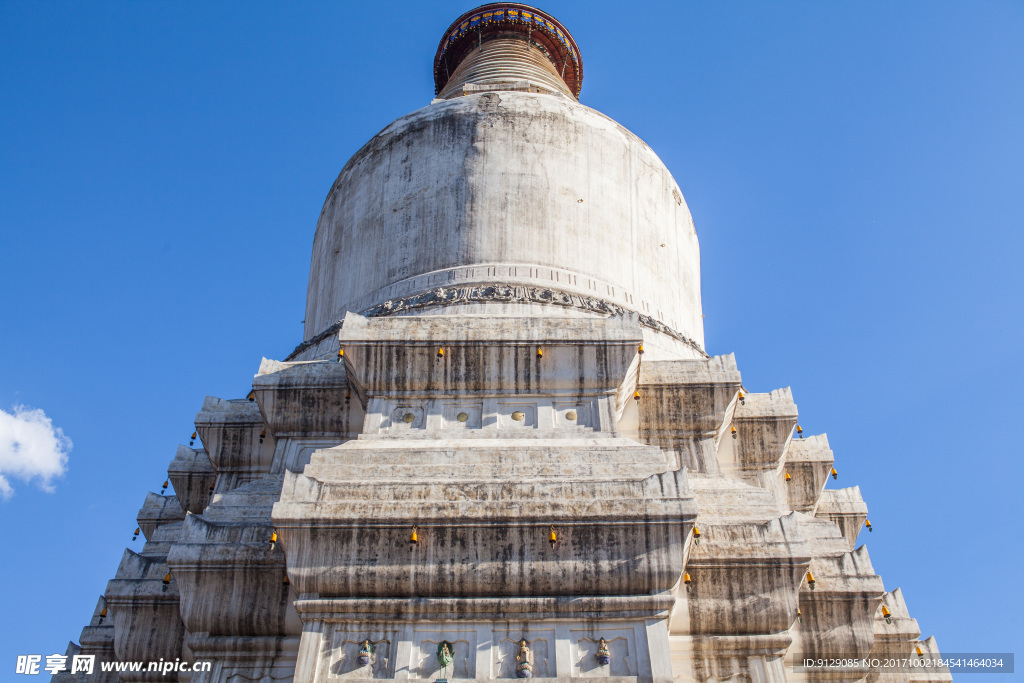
(510, 202)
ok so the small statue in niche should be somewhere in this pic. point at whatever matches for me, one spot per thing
(444, 658)
(604, 656)
(365, 652)
(524, 660)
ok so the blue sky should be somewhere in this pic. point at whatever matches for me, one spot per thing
(855, 171)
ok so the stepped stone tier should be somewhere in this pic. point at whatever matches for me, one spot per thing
(501, 450)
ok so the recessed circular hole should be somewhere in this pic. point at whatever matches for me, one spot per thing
(462, 417)
(408, 417)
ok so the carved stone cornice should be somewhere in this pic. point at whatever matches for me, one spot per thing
(499, 293)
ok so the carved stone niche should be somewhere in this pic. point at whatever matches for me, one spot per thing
(369, 657)
(506, 648)
(427, 638)
(606, 651)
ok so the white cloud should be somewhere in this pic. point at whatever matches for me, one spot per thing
(30, 448)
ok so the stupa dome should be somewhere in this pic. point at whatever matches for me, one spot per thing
(507, 196)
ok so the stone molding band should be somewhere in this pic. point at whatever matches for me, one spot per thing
(610, 606)
(243, 648)
(500, 293)
(767, 645)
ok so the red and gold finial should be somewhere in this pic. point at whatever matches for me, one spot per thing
(504, 18)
